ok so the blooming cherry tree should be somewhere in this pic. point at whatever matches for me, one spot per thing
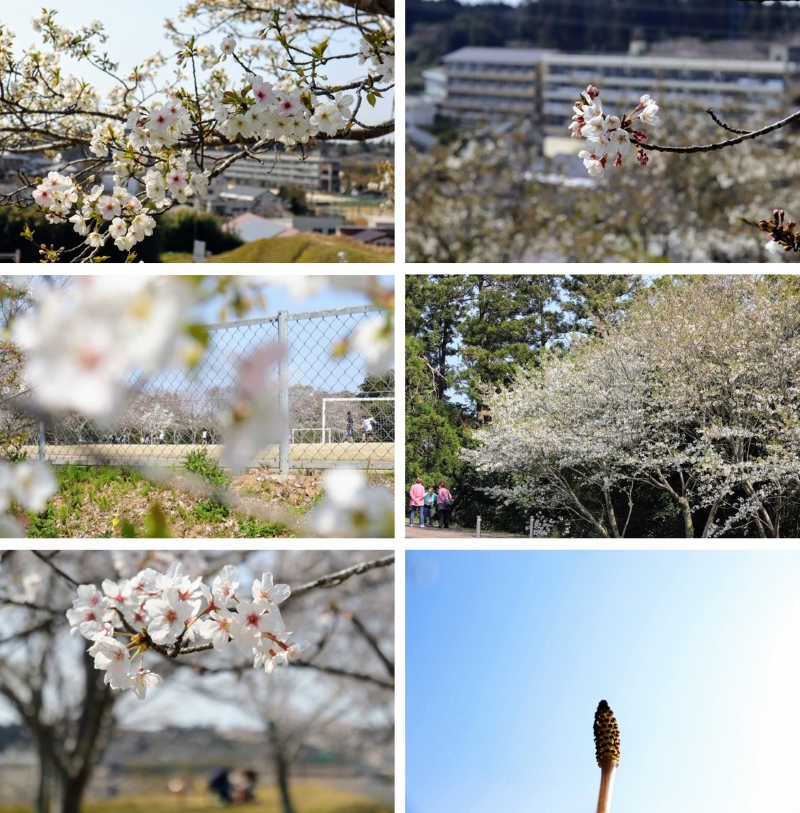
(692, 396)
(66, 689)
(266, 86)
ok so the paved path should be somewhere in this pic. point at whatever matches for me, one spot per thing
(415, 532)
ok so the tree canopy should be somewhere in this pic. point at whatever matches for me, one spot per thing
(679, 418)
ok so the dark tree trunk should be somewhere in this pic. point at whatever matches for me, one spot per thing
(282, 765)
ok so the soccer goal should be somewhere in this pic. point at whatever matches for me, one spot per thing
(381, 410)
(311, 435)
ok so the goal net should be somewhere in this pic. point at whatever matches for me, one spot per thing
(311, 435)
(380, 410)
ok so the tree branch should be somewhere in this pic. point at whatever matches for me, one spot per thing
(57, 570)
(730, 142)
(333, 670)
(370, 639)
(334, 579)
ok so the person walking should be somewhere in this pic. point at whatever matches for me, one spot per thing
(350, 437)
(428, 503)
(416, 501)
(444, 504)
(366, 429)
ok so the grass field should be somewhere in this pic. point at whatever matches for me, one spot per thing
(138, 454)
(99, 502)
(308, 797)
(300, 248)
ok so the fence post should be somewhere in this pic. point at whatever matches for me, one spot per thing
(478, 528)
(283, 388)
(530, 528)
(41, 440)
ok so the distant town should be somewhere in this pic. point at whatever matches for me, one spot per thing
(333, 191)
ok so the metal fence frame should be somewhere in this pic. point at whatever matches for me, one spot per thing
(282, 320)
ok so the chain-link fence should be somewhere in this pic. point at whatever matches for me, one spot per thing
(338, 414)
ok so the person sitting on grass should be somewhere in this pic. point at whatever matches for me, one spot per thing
(220, 786)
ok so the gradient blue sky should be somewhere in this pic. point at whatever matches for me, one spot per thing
(509, 653)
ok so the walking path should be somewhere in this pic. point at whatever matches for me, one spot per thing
(415, 532)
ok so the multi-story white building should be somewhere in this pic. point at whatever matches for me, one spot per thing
(541, 84)
(280, 168)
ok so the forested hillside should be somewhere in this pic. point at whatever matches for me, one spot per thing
(582, 26)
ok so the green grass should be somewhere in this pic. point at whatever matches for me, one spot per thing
(304, 248)
(299, 248)
(200, 462)
(176, 257)
(309, 797)
(108, 501)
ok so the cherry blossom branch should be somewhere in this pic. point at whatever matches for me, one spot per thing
(335, 579)
(724, 126)
(746, 136)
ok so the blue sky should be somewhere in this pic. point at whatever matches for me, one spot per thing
(136, 30)
(310, 362)
(509, 653)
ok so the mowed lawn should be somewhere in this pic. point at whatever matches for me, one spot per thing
(308, 797)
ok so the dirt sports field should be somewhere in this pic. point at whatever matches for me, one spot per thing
(377, 455)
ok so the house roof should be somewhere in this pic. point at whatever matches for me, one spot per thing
(252, 227)
(244, 193)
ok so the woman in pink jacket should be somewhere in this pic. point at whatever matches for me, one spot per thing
(444, 502)
(416, 501)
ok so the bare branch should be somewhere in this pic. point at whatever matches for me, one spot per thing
(334, 579)
(730, 142)
(374, 645)
(332, 670)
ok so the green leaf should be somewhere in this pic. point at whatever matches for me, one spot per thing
(199, 333)
(155, 524)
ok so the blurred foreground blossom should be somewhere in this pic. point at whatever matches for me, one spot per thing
(352, 508)
(82, 341)
(373, 339)
(255, 416)
(31, 484)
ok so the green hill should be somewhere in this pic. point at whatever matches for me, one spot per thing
(301, 248)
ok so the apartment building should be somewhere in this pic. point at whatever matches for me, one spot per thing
(541, 84)
(280, 168)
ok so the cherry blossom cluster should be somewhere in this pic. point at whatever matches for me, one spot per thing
(81, 343)
(145, 140)
(609, 135)
(352, 508)
(380, 56)
(173, 615)
(98, 215)
(279, 112)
